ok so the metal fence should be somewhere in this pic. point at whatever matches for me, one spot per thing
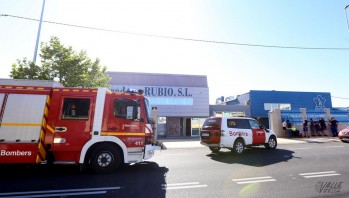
(316, 115)
(295, 116)
(341, 116)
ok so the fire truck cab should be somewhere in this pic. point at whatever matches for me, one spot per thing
(235, 133)
(58, 125)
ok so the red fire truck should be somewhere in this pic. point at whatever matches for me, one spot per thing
(57, 125)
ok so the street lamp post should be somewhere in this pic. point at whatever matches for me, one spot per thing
(39, 30)
(346, 16)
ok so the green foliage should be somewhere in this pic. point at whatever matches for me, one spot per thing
(25, 69)
(64, 65)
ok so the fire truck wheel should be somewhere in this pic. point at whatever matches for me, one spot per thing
(239, 147)
(272, 143)
(215, 149)
(104, 159)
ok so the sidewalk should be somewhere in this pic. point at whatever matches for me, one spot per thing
(194, 142)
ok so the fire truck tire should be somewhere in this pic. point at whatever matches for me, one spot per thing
(105, 159)
(214, 149)
(272, 143)
(239, 147)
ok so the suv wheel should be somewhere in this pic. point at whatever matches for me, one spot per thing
(272, 143)
(239, 147)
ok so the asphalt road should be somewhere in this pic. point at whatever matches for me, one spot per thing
(293, 170)
(315, 169)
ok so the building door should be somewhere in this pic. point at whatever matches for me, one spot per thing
(174, 127)
(188, 127)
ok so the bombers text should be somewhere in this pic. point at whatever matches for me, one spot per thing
(15, 153)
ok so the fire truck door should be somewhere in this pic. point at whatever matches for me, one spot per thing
(73, 127)
(125, 119)
(258, 132)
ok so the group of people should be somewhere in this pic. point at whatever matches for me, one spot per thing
(289, 130)
(317, 128)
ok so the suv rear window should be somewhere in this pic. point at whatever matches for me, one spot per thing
(212, 124)
(238, 123)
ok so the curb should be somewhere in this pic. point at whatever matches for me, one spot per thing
(194, 143)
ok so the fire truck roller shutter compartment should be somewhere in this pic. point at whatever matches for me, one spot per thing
(21, 125)
(22, 118)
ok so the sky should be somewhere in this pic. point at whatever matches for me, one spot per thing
(240, 45)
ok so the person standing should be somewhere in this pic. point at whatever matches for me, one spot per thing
(317, 128)
(312, 127)
(322, 126)
(305, 127)
(284, 127)
(289, 128)
(334, 127)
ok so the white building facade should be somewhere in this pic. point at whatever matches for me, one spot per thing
(182, 101)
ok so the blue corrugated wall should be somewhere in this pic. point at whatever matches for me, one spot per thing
(308, 100)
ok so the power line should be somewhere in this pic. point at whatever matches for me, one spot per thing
(340, 97)
(182, 38)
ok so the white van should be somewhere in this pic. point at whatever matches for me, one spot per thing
(235, 133)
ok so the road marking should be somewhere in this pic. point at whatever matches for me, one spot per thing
(59, 194)
(63, 192)
(254, 180)
(319, 174)
(334, 146)
(182, 185)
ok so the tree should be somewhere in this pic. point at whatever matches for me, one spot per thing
(25, 69)
(64, 65)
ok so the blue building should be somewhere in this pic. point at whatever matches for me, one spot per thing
(259, 103)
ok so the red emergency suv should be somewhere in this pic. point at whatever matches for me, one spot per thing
(235, 133)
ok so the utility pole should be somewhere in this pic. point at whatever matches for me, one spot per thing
(39, 30)
(346, 16)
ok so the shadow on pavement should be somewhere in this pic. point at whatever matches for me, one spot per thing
(138, 180)
(258, 157)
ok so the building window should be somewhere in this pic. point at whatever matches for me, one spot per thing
(229, 114)
(196, 124)
(281, 106)
(161, 127)
(170, 101)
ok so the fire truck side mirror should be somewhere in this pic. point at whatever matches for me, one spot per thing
(151, 121)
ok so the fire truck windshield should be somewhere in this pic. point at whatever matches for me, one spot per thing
(148, 110)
